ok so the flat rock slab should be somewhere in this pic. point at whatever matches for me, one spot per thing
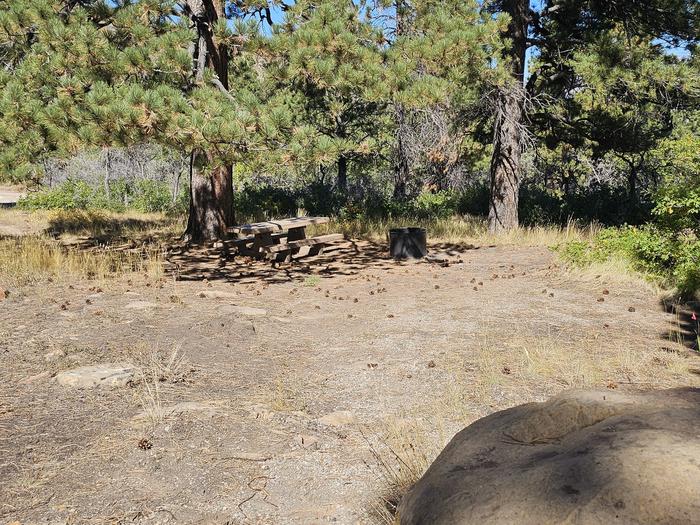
(217, 294)
(249, 311)
(195, 409)
(106, 375)
(582, 457)
(142, 305)
(338, 419)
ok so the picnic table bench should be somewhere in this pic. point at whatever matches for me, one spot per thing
(278, 240)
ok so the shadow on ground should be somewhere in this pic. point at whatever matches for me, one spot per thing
(98, 228)
(685, 330)
(190, 263)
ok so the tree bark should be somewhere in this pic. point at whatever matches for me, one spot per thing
(211, 199)
(508, 125)
(211, 184)
(343, 174)
(401, 166)
(106, 177)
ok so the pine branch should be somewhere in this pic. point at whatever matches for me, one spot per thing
(217, 83)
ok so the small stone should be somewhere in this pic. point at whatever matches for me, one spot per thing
(431, 364)
(337, 419)
(56, 354)
(217, 294)
(307, 441)
(105, 375)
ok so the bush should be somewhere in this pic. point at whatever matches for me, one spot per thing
(152, 196)
(68, 196)
(264, 202)
(664, 255)
(144, 195)
(438, 205)
(599, 203)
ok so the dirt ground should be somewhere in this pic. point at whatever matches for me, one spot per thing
(287, 415)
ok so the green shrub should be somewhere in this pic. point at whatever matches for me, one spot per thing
(664, 255)
(438, 205)
(144, 196)
(152, 196)
(68, 196)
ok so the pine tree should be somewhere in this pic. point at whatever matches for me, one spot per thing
(559, 30)
(327, 60)
(88, 75)
(440, 61)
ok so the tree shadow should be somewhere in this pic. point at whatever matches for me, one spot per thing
(97, 228)
(685, 330)
(196, 263)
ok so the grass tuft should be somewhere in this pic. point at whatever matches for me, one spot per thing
(458, 229)
(32, 259)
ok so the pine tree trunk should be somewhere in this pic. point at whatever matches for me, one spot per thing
(211, 200)
(211, 185)
(343, 174)
(401, 169)
(106, 177)
(508, 131)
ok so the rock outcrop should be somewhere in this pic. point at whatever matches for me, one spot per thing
(581, 457)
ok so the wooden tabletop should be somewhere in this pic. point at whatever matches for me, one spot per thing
(278, 226)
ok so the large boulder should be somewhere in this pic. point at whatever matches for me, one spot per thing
(579, 458)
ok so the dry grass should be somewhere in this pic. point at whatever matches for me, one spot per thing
(155, 370)
(287, 394)
(405, 450)
(460, 230)
(497, 373)
(31, 259)
(81, 245)
(112, 227)
(616, 270)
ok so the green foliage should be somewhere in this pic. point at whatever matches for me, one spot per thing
(438, 205)
(322, 90)
(70, 195)
(678, 197)
(672, 259)
(144, 196)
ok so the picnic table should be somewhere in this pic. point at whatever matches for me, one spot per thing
(280, 239)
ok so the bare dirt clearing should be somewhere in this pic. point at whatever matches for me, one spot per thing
(262, 395)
